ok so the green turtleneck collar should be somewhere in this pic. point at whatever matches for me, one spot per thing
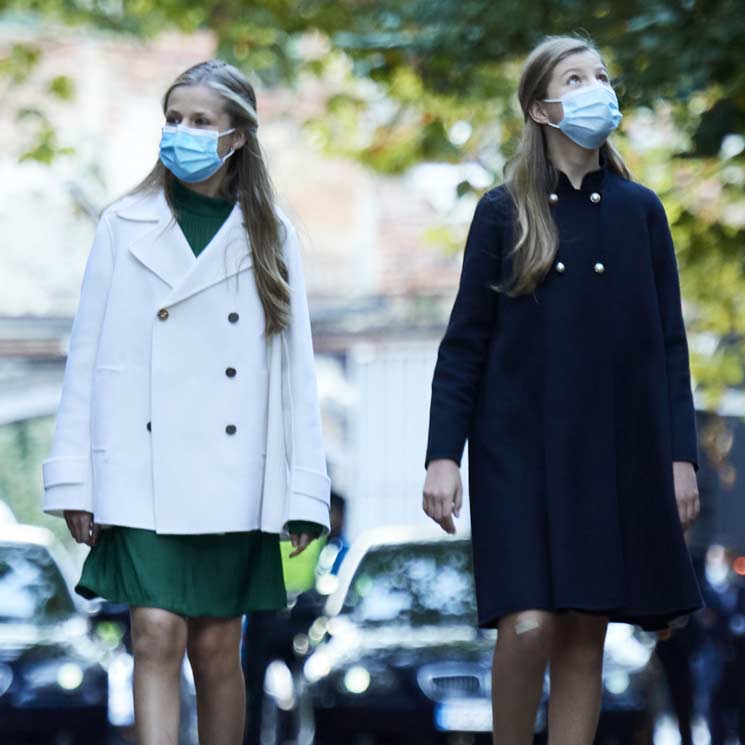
(188, 200)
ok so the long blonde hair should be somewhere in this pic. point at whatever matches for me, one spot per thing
(246, 181)
(530, 175)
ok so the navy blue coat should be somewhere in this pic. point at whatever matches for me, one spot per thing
(575, 401)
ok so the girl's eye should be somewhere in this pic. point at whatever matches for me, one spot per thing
(603, 77)
(573, 76)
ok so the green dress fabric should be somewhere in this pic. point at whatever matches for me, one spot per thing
(220, 575)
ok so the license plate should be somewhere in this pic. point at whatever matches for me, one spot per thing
(467, 715)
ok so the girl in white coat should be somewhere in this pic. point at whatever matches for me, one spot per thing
(188, 438)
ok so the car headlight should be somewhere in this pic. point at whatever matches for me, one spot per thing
(64, 675)
(368, 678)
(70, 676)
(357, 679)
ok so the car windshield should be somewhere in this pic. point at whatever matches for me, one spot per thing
(32, 588)
(416, 584)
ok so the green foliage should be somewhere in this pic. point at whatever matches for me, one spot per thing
(17, 68)
(19, 62)
(62, 87)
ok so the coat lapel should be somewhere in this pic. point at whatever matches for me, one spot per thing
(164, 250)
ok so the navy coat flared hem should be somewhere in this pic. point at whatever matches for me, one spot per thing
(643, 619)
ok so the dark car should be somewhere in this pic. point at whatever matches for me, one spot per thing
(397, 656)
(53, 685)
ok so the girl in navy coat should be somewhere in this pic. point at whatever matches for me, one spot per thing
(565, 366)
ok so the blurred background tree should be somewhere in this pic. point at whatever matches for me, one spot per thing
(434, 80)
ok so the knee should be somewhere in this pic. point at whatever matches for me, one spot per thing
(213, 653)
(158, 636)
(581, 639)
(585, 653)
(530, 632)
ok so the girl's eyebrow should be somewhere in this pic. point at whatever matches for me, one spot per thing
(195, 113)
(602, 68)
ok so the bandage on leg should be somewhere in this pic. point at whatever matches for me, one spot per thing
(526, 622)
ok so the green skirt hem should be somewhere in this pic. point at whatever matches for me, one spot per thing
(89, 593)
(222, 576)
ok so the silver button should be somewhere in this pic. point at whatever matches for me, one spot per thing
(553, 198)
(599, 268)
(560, 266)
(594, 197)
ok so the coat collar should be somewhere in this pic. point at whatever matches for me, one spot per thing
(164, 250)
(592, 180)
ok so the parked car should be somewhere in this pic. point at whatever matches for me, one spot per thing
(396, 656)
(53, 684)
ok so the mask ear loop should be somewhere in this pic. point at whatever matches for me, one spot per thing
(552, 100)
(232, 150)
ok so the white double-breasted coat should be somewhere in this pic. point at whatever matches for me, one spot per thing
(178, 414)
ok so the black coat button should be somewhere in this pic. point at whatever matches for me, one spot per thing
(163, 314)
(230, 372)
(230, 429)
(233, 317)
(149, 427)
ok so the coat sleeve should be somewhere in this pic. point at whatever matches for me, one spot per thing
(310, 486)
(682, 411)
(66, 472)
(462, 351)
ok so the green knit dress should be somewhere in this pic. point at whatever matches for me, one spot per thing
(222, 575)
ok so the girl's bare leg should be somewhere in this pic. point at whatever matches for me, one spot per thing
(522, 651)
(158, 642)
(214, 653)
(575, 668)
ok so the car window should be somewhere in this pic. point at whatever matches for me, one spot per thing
(32, 588)
(416, 584)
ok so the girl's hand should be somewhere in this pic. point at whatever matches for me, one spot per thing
(81, 526)
(300, 542)
(443, 493)
(686, 493)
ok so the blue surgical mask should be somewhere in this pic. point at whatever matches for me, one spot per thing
(590, 115)
(191, 154)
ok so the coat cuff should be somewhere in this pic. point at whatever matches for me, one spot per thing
(65, 470)
(687, 457)
(454, 455)
(63, 497)
(66, 485)
(305, 526)
(310, 498)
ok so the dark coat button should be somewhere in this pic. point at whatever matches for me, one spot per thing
(230, 372)
(230, 429)
(163, 314)
(233, 317)
(149, 427)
